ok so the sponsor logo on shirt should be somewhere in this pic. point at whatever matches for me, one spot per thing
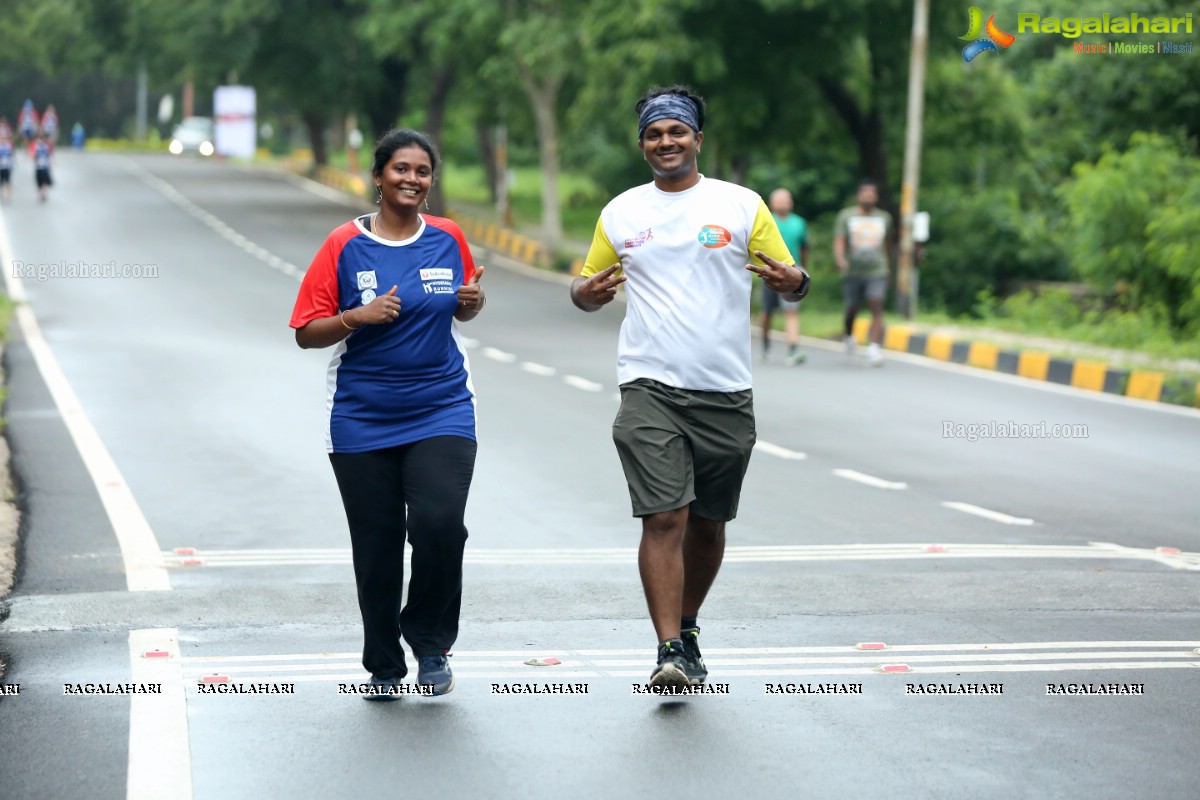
(640, 239)
(366, 280)
(438, 280)
(714, 236)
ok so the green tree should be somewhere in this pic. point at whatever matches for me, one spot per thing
(1134, 217)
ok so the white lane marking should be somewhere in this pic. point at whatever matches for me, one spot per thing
(1180, 560)
(160, 761)
(499, 355)
(720, 661)
(633, 651)
(139, 549)
(734, 662)
(733, 554)
(995, 516)
(781, 452)
(582, 383)
(538, 369)
(869, 480)
(246, 245)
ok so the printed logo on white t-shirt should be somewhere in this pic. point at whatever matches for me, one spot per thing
(714, 236)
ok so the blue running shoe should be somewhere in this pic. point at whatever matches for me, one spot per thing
(383, 689)
(434, 671)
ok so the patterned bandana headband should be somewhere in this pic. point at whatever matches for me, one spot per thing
(668, 106)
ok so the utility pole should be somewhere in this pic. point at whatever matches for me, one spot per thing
(907, 277)
(140, 124)
(503, 204)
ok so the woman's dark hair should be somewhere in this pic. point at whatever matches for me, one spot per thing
(395, 139)
(679, 89)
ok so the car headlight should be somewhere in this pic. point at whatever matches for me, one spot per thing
(206, 148)
(176, 147)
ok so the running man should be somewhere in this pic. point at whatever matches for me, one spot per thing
(685, 429)
(41, 166)
(861, 250)
(794, 230)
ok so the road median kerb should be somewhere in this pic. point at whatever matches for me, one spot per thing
(1082, 373)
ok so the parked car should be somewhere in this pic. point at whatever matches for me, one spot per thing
(193, 135)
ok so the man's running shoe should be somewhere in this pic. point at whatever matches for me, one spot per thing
(693, 662)
(671, 672)
(383, 689)
(434, 671)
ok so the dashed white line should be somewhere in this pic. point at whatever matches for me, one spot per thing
(538, 369)
(995, 516)
(781, 452)
(869, 480)
(160, 763)
(499, 355)
(582, 383)
(229, 234)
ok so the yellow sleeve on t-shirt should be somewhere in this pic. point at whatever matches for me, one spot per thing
(765, 236)
(601, 254)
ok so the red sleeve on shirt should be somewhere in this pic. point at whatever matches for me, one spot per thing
(318, 296)
(451, 227)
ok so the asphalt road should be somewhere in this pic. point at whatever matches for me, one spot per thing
(1017, 562)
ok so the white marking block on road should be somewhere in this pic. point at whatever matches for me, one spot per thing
(160, 761)
(869, 480)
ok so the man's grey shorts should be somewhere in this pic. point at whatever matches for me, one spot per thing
(772, 301)
(681, 447)
(856, 288)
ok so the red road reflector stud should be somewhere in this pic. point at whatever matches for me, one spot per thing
(215, 679)
(935, 548)
(870, 646)
(185, 551)
(543, 662)
(1168, 551)
(895, 668)
(156, 654)
(192, 562)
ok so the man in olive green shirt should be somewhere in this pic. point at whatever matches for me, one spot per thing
(861, 249)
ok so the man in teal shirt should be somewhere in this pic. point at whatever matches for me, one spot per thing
(795, 235)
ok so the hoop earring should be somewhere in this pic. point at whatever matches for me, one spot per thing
(378, 194)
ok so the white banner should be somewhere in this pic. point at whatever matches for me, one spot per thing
(234, 108)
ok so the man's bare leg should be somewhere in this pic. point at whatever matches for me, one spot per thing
(661, 564)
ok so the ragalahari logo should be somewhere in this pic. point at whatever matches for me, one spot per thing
(978, 42)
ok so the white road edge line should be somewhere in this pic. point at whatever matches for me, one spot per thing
(996, 516)
(160, 760)
(781, 452)
(869, 480)
(140, 551)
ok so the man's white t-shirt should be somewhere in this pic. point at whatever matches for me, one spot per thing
(684, 255)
